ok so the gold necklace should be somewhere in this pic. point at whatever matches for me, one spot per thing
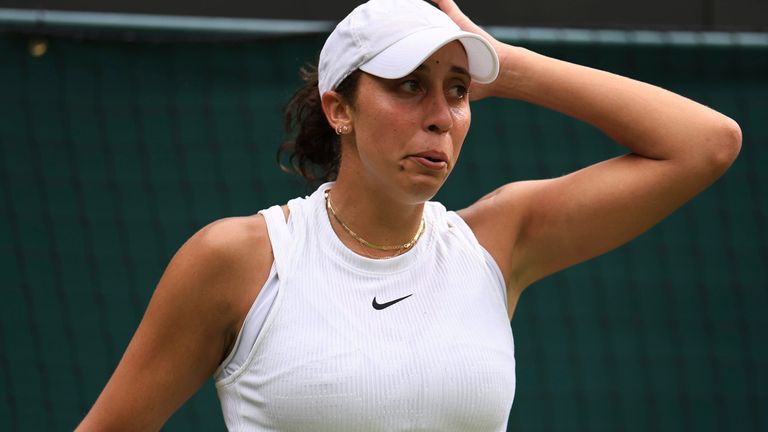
(366, 243)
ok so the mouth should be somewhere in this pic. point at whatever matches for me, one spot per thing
(433, 160)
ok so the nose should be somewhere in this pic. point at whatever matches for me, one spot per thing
(438, 117)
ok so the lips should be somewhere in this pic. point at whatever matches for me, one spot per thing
(433, 160)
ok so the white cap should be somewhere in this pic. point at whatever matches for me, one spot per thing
(391, 38)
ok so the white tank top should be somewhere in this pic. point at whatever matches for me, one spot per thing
(419, 342)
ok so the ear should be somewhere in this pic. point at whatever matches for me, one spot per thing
(337, 111)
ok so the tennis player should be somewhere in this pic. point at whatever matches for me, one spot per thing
(367, 307)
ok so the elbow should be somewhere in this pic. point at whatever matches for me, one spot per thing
(725, 144)
(730, 143)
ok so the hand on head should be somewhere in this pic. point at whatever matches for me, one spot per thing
(449, 7)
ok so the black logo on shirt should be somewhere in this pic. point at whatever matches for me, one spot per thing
(380, 306)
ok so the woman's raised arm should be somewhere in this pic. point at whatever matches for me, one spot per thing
(677, 147)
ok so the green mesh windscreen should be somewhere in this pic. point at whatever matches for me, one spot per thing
(113, 153)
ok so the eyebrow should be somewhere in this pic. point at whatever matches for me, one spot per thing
(455, 69)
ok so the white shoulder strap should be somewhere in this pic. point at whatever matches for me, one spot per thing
(467, 235)
(280, 238)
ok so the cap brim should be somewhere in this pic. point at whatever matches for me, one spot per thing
(405, 55)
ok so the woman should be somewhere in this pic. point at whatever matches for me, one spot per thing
(366, 307)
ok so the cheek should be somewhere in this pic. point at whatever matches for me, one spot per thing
(380, 133)
(461, 114)
(380, 117)
(389, 128)
(462, 117)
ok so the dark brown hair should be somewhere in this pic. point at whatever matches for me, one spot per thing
(312, 147)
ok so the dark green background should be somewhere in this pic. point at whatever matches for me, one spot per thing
(113, 153)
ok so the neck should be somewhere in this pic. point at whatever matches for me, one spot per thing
(373, 214)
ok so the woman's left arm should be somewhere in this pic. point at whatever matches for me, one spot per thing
(677, 148)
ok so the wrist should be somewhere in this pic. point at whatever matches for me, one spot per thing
(512, 64)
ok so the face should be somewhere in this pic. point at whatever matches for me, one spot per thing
(408, 132)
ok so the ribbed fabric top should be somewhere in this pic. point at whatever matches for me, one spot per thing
(439, 357)
(337, 251)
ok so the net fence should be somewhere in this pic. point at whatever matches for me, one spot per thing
(113, 152)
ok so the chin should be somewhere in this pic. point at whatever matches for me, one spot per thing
(423, 188)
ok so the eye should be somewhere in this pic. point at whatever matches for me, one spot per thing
(458, 92)
(410, 86)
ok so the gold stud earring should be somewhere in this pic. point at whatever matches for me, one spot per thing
(342, 129)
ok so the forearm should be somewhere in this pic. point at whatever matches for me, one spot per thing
(648, 120)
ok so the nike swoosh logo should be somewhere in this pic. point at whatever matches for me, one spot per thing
(380, 306)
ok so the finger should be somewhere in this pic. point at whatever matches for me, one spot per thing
(448, 6)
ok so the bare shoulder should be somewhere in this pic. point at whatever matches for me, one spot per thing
(499, 220)
(507, 200)
(214, 278)
(228, 260)
(234, 243)
(231, 240)
(195, 313)
(508, 204)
